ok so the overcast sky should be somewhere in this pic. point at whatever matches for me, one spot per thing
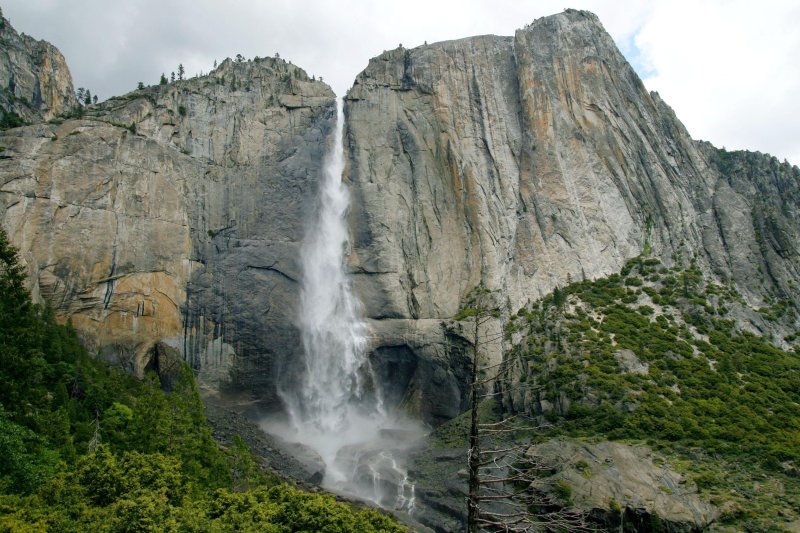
(728, 68)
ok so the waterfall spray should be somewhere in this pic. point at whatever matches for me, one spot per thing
(337, 410)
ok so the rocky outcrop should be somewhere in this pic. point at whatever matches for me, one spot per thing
(35, 83)
(621, 486)
(525, 162)
(613, 486)
(172, 216)
(166, 224)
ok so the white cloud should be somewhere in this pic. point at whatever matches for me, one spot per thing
(725, 66)
(729, 71)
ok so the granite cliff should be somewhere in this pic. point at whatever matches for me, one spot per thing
(165, 224)
(524, 163)
(36, 83)
(518, 162)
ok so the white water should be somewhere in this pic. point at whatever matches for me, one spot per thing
(337, 410)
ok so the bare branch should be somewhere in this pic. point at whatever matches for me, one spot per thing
(505, 450)
(503, 421)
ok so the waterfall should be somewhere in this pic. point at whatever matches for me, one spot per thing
(337, 410)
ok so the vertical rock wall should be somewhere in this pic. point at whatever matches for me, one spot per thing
(523, 163)
(173, 215)
(35, 82)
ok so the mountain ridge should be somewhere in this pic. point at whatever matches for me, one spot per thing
(510, 161)
(35, 76)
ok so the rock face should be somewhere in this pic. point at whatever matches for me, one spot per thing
(172, 216)
(606, 482)
(36, 83)
(618, 484)
(525, 162)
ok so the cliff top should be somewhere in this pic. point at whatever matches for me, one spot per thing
(34, 75)
(559, 34)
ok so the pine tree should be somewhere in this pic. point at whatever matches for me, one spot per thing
(87, 99)
(163, 80)
(21, 362)
(181, 71)
(12, 281)
(559, 297)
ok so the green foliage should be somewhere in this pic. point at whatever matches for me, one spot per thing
(704, 383)
(38, 357)
(563, 491)
(105, 477)
(480, 302)
(143, 493)
(26, 463)
(9, 119)
(558, 297)
(722, 404)
(244, 470)
(300, 511)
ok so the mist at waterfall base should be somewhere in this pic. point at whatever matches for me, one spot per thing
(337, 409)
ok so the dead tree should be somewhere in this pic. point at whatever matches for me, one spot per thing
(506, 491)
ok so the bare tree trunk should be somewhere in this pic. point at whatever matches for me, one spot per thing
(474, 444)
(507, 479)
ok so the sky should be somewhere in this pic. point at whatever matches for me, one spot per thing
(729, 68)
